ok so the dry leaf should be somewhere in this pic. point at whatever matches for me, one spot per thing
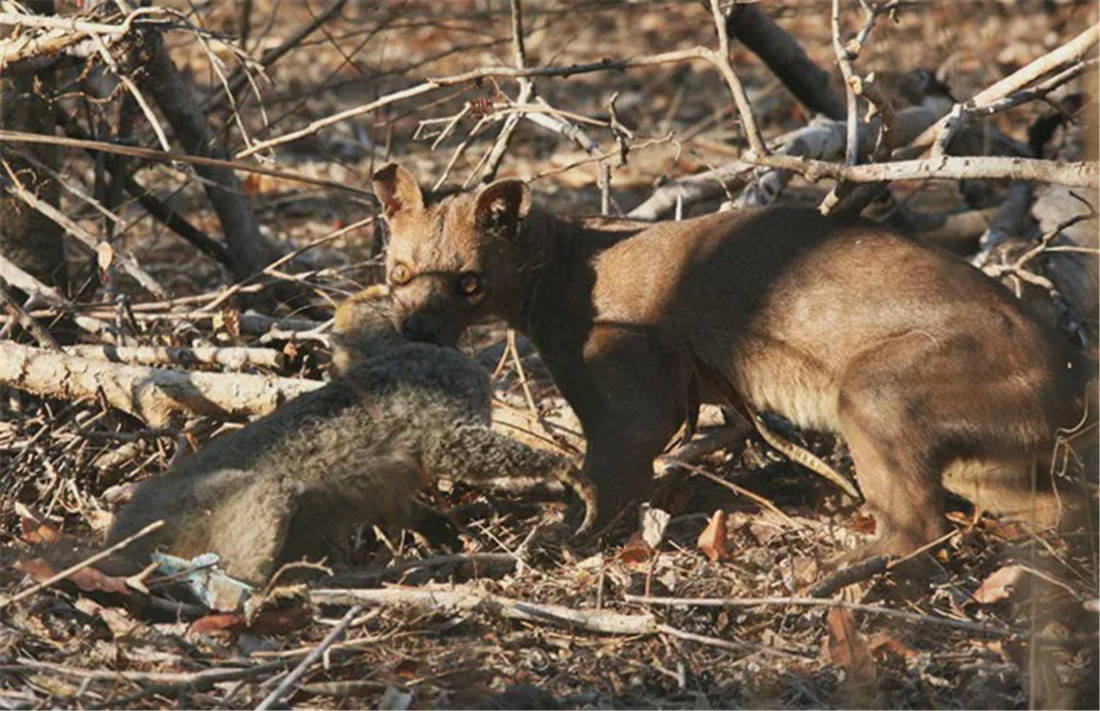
(999, 585)
(847, 647)
(87, 579)
(268, 622)
(654, 523)
(636, 551)
(712, 541)
(884, 642)
(104, 255)
(34, 528)
(228, 320)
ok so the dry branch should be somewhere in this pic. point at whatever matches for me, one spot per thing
(91, 560)
(1018, 80)
(36, 291)
(161, 156)
(157, 396)
(72, 24)
(822, 139)
(467, 599)
(236, 358)
(649, 60)
(601, 621)
(249, 250)
(315, 654)
(749, 24)
(1080, 174)
(911, 617)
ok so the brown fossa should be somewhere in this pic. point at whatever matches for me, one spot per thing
(932, 373)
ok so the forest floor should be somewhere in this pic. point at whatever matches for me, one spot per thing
(1007, 619)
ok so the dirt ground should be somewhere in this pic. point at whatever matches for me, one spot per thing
(1008, 618)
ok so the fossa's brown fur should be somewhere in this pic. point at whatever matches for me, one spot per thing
(934, 375)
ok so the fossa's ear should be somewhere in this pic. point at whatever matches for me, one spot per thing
(502, 206)
(397, 190)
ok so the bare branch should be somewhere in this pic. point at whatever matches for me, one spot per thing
(649, 60)
(1019, 79)
(156, 395)
(1081, 174)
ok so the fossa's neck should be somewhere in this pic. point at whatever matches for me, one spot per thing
(554, 287)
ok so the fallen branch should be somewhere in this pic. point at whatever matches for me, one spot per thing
(850, 575)
(40, 334)
(72, 24)
(599, 621)
(236, 358)
(36, 291)
(1080, 174)
(195, 680)
(161, 156)
(749, 24)
(822, 139)
(157, 396)
(985, 630)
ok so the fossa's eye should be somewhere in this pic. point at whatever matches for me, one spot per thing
(400, 274)
(469, 284)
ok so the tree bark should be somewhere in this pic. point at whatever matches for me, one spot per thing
(249, 251)
(782, 54)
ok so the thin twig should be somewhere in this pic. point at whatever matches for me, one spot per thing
(164, 157)
(295, 674)
(650, 60)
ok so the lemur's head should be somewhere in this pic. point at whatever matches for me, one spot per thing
(364, 325)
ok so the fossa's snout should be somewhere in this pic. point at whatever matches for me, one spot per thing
(430, 327)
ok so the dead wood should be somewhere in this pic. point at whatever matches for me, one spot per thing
(434, 598)
(810, 84)
(40, 334)
(1082, 174)
(157, 396)
(850, 575)
(314, 655)
(823, 139)
(912, 617)
(1018, 80)
(234, 358)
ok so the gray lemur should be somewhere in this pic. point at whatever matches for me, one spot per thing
(297, 482)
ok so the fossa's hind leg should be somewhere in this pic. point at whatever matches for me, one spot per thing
(1017, 487)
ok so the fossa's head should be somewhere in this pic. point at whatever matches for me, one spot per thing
(364, 325)
(455, 261)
